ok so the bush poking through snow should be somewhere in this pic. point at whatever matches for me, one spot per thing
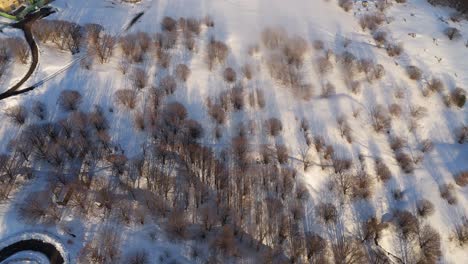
(458, 97)
(414, 73)
(436, 85)
(371, 21)
(453, 33)
(380, 119)
(69, 100)
(17, 114)
(406, 223)
(461, 179)
(139, 78)
(405, 162)
(394, 50)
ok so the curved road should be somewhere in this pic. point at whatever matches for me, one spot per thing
(26, 27)
(35, 245)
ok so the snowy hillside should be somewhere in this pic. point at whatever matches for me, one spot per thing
(239, 131)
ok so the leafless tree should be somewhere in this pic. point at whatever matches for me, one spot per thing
(104, 48)
(447, 192)
(326, 212)
(424, 208)
(230, 75)
(217, 53)
(460, 231)
(282, 154)
(436, 85)
(346, 4)
(380, 119)
(168, 24)
(461, 178)
(458, 97)
(347, 250)
(452, 33)
(461, 134)
(414, 73)
(126, 97)
(177, 224)
(17, 114)
(69, 100)
(168, 84)
(139, 78)
(19, 48)
(183, 72)
(406, 223)
(429, 244)
(274, 126)
(382, 170)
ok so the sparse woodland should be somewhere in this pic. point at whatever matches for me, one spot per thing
(214, 184)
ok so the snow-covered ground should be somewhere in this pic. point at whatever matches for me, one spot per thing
(239, 23)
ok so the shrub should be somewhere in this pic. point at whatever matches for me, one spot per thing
(17, 114)
(436, 85)
(274, 126)
(394, 49)
(274, 38)
(461, 178)
(452, 33)
(371, 21)
(414, 73)
(69, 100)
(324, 65)
(405, 162)
(424, 208)
(458, 97)
(229, 75)
(183, 72)
(380, 119)
(126, 97)
(447, 192)
(380, 37)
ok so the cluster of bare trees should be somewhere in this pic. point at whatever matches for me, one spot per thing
(64, 35)
(285, 60)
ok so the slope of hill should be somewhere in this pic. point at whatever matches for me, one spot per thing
(242, 130)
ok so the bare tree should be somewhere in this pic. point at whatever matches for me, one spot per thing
(17, 114)
(461, 134)
(19, 48)
(326, 212)
(126, 97)
(104, 47)
(346, 250)
(230, 75)
(183, 72)
(458, 97)
(168, 24)
(414, 73)
(139, 78)
(452, 33)
(424, 208)
(447, 192)
(217, 53)
(69, 100)
(168, 84)
(274, 126)
(138, 257)
(461, 178)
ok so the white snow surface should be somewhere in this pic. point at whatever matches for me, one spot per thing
(239, 23)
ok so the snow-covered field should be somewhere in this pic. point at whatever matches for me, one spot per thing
(417, 25)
